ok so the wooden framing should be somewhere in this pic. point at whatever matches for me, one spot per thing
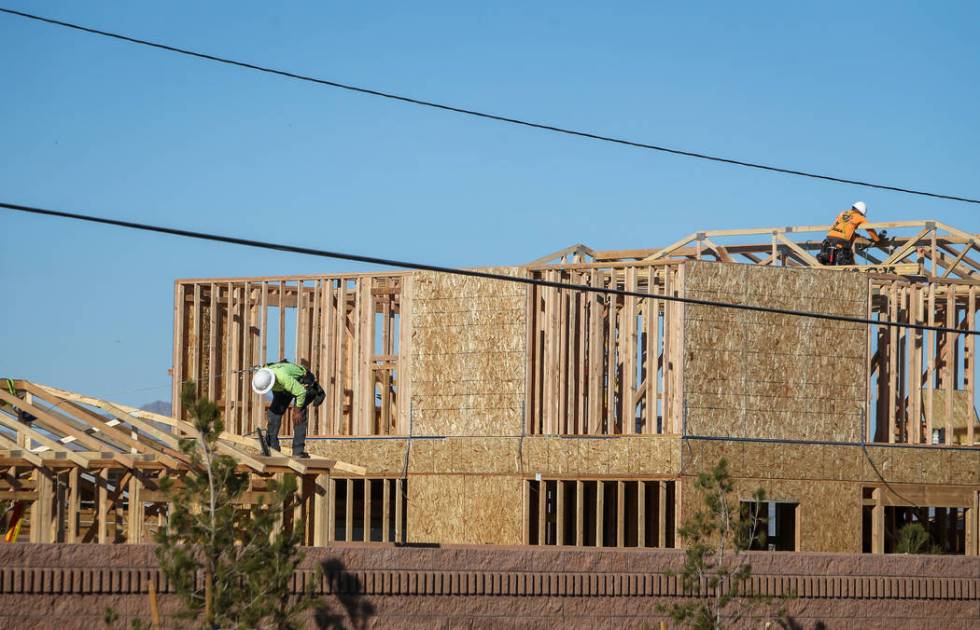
(604, 365)
(542, 362)
(941, 250)
(622, 512)
(924, 389)
(585, 350)
(345, 328)
(928, 499)
(90, 469)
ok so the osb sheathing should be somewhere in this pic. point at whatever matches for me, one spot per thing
(468, 355)
(774, 376)
(834, 462)
(830, 513)
(826, 480)
(470, 489)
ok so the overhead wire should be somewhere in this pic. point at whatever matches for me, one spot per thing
(472, 273)
(590, 135)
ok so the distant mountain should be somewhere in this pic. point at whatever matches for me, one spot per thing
(158, 406)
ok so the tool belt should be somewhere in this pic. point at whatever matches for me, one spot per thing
(314, 393)
(835, 251)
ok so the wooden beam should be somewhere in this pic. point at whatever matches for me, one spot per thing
(907, 248)
(14, 450)
(803, 255)
(57, 425)
(44, 440)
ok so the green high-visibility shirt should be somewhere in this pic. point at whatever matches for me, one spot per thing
(287, 380)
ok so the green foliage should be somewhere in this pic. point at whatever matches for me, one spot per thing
(716, 566)
(913, 538)
(5, 506)
(231, 568)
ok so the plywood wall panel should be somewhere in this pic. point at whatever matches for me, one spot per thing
(774, 376)
(492, 510)
(468, 355)
(435, 509)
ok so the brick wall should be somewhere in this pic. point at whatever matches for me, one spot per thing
(71, 586)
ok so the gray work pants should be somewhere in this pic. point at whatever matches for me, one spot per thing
(280, 403)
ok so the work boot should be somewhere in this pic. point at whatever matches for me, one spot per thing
(263, 443)
(303, 455)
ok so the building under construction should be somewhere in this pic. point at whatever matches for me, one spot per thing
(492, 412)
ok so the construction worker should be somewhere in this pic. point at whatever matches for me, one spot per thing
(838, 247)
(23, 416)
(289, 383)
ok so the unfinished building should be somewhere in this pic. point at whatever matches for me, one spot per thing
(492, 412)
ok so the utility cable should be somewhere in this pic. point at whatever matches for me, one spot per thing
(373, 260)
(479, 114)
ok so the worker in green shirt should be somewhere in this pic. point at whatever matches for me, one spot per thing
(289, 383)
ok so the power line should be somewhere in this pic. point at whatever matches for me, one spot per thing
(479, 114)
(374, 260)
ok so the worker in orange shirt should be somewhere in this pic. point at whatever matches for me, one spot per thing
(838, 247)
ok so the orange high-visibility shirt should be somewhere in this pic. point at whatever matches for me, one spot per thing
(846, 225)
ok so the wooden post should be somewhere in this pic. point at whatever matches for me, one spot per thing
(949, 363)
(349, 511)
(641, 514)
(74, 505)
(135, 514)
(595, 358)
(891, 422)
(367, 509)
(970, 367)
(661, 514)
(542, 507)
(620, 513)
(562, 376)
(932, 350)
(798, 529)
(399, 538)
(579, 513)
(385, 510)
(41, 514)
(102, 481)
(322, 502)
(559, 512)
(878, 522)
(282, 320)
(915, 381)
(600, 511)
(195, 341)
(628, 347)
(212, 343)
(177, 358)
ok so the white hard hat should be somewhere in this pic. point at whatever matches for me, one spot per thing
(263, 380)
(861, 207)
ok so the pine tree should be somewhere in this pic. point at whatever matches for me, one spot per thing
(716, 539)
(230, 567)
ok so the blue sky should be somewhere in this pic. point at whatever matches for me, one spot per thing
(881, 91)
